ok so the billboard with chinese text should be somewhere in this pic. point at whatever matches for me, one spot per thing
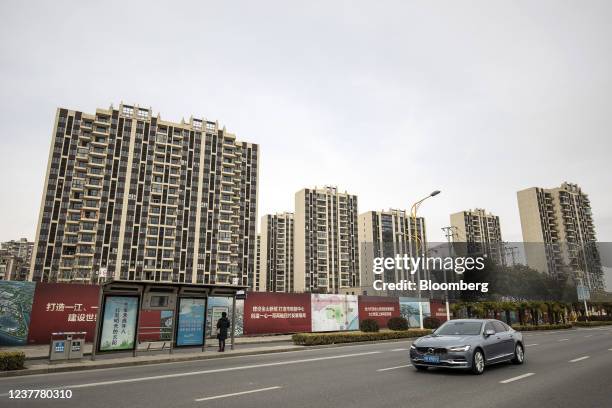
(378, 308)
(119, 323)
(277, 313)
(60, 307)
(438, 310)
(190, 331)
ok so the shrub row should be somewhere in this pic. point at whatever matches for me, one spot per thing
(592, 324)
(11, 360)
(530, 327)
(315, 339)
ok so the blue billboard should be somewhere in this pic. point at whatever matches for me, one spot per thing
(190, 331)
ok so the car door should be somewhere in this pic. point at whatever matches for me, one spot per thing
(491, 344)
(506, 345)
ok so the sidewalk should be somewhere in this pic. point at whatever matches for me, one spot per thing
(41, 351)
(44, 367)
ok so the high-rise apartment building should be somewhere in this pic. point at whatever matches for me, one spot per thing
(326, 256)
(476, 232)
(276, 256)
(559, 234)
(21, 248)
(15, 258)
(388, 234)
(134, 197)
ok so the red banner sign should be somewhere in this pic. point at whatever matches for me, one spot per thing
(276, 313)
(59, 307)
(378, 308)
(438, 310)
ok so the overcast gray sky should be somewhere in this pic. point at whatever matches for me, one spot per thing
(388, 100)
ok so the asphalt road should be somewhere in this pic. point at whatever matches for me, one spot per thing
(568, 368)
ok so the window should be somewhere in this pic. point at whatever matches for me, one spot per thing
(500, 327)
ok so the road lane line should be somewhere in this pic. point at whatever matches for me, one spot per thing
(400, 349)
(394, 368)
(579, 359)
(217, 370)
(563, 340)
(531, 345)
(237, 393)
(589, 335)
(520, 377)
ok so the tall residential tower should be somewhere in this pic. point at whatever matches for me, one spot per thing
(559, 234)
(276, 258)
(477, 232)
(388, 234)
(134, 197)
(326, 256)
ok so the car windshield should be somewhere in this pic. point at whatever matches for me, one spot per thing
(459, 328)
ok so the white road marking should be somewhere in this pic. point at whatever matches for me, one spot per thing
(531, 345)
(563, 340)
(400, 349)
(589, 335)
(394, 368)
(609, 349)
(579, 359)
(217, 370)
(520, 377)
(237, 393)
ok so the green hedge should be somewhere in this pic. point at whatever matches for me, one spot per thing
(530, 327)
(398, 323)
(369, 325)
(11, 360)
(314, 339)
(592, 324)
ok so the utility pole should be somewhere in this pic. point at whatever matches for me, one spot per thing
(449, 232)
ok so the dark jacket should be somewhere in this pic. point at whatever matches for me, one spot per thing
(223, 324)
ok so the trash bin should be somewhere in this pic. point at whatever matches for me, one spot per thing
(66, 346)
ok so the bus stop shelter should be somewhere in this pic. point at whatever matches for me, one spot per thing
(119, 323)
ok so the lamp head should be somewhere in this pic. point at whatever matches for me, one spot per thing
(434, 193)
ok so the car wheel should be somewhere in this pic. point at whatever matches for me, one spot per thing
(478, 362)
(421, 368)
(519, 354)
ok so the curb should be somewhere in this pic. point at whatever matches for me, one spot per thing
(52, 369)
(88, 354)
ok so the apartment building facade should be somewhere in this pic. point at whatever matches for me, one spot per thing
(21, 248)
(326, 255)
(276, 258)
(477, 233)
(388, 234)
(131, 196)
(559, 234)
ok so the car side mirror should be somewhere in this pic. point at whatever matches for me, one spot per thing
(489, 332)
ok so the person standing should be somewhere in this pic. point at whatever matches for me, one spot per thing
(223, 325)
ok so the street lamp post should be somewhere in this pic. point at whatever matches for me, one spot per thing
(413, 212)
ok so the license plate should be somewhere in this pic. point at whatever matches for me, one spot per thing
(431, 359)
